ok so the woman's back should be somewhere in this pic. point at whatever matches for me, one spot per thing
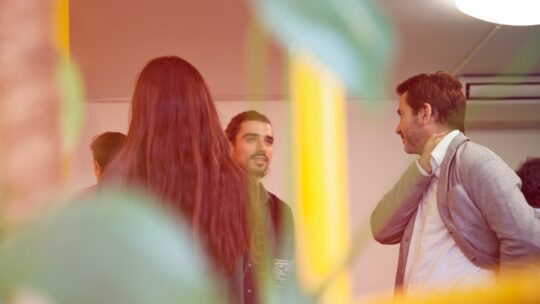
(176, 149)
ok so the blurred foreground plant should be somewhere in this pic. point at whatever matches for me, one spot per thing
(114, 248)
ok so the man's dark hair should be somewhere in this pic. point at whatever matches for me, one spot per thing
(234, 125)
(442, 91)
(529, 172)
(105, 147)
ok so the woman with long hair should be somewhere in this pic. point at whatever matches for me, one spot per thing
(176, 149)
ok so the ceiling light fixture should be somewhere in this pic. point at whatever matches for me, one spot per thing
(508, 12)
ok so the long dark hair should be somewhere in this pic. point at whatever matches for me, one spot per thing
(176, 149)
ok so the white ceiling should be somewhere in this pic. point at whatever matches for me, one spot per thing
(112, 40)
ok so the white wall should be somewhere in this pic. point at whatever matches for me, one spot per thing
(375, 156)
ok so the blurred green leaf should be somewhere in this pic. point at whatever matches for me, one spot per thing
(72, 109)
(351, 37)
(115, 248)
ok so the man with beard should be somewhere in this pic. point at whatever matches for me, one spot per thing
(457, 212)
(252, 141)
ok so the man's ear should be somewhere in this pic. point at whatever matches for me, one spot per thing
(426, 113)
(97, 170)
(231, 147)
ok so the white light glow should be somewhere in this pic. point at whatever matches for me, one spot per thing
(509, 12)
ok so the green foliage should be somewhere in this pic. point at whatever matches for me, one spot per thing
(112, 248)
(72, 107)
(350, 36)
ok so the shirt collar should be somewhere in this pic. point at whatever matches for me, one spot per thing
(263, 194)
(438, 154)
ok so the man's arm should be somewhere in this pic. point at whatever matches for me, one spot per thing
(288, 234)
(283, 263)
(496, 191)
(393, 212)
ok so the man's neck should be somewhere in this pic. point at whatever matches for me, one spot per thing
(440, 129)
(258, 180)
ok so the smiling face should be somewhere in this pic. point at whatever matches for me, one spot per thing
(410, 128)
(252, 147)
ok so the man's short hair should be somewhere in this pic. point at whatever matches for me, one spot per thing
(442, 91)
(105, 147)
(234, 125)
(529, 172)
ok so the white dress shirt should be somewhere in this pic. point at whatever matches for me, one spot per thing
(435, 261)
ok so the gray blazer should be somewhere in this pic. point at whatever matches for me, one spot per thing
(479, 201)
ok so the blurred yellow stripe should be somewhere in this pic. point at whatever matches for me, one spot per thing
(61, 39)
(514, 286)
(61, 26)
(318, 120)
(521, 288)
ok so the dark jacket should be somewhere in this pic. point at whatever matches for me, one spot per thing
(280, 240)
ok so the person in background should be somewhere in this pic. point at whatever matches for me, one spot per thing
(104, 148)
(252, 141)
(457, 211)
(529, 172)
(176, 150)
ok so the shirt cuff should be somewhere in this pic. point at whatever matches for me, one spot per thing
(422, 171)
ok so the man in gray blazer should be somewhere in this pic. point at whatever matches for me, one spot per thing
(457, 212)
